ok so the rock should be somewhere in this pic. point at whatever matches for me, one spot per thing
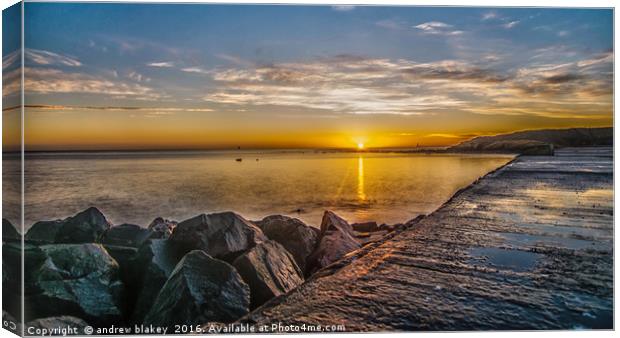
(162, 228)
(80, 280)
(365, 227)
(296, 237)
(53, 326)
(125, 235)
(269, 270)
(9, 232)
(223, 235)
(43, 232)
(200, 289)
(124, 255)
(336, 241)
(151, 268)
(85, 227)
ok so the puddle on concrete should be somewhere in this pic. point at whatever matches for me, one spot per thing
(563, 242)
(515, 260)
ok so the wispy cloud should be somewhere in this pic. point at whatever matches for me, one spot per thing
(48, 80)
(438, 28)
(138, 77)
(235, 60)
(511, 24)
(163, 64)
(347, 84)
(117, 108)
(11, 59)
(489, 16)
(43, 57)
(197, 70)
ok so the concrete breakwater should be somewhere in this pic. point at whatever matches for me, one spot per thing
(529, 246)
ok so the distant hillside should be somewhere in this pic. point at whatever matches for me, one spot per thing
(540, 142)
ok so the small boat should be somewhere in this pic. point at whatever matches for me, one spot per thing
(239, 159)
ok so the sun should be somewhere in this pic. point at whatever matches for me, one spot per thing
(360, 146)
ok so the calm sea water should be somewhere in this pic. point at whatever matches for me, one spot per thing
(137, 187)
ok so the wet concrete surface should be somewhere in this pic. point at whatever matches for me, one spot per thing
(529, 247)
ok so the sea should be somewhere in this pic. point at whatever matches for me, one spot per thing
(136, 187)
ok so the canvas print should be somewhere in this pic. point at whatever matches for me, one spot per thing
(237, 168)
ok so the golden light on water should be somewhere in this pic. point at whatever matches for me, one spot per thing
(361, 195)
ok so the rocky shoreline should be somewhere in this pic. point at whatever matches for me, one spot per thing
(216, 268)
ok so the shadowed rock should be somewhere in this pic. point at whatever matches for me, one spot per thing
(365, 227)
(336, 241)
(150, 269)
(294, 235)
(125, 235)
(162, 228)
(9, 232)
(51, 323)
(81, 280)
(44, 232)
(201, 289)
(269, 270)
(223, 235)
(85, 227)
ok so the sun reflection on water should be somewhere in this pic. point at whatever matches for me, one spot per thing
(361, 195)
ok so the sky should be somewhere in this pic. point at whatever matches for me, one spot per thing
(173, 76)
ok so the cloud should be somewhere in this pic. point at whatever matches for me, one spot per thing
(343, 8)
(138, 77)
(438, 28)
(511, 24)
(350, 84)
(117, 108)
(163, 64)
(48, 80)
(234, 60)
(47, 58)
(489, 16)
(197, 70)
(443, 135)
(11, 59)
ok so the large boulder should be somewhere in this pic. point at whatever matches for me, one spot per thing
(130, 235)
(151, 268)
(295, 236)
(269, 270)
(79, 280)
(336, 240)
(9, 232)
(201, 289)
(223, 235)
(162, 228)
(56, 326)
(85, 227)
(44, 232)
